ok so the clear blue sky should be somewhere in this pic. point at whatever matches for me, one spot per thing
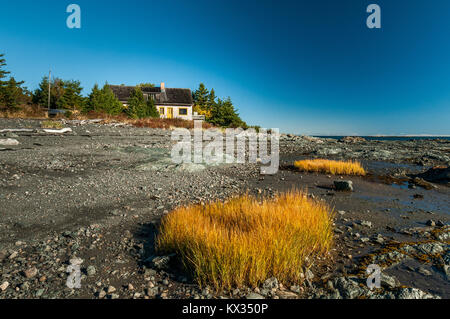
(308, 67)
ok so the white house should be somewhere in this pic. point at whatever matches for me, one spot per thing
(170, 102)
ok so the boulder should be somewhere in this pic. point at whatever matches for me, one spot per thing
(437, 174)
(344, 186)
(414, 293)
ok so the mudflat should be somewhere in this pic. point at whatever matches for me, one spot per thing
(99, 191)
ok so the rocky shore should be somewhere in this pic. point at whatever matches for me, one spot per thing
(94, 196)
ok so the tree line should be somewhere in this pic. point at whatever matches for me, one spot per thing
(67, 95)
(217, 111)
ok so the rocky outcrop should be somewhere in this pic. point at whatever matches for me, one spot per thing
(437, 175)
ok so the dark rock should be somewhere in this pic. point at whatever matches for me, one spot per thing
(437, 175)
(159, 262)
(430, 223)
(345, 186)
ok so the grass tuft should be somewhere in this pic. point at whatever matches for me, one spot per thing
(56, 125)
(245, 240)
(331, 167)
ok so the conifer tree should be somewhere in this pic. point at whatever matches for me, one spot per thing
(103, 101)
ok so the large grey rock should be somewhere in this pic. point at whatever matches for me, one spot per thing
(389, 281)
(348, 288)
(414, 293)
(431, 248)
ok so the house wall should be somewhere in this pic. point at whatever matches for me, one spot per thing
(176, 111)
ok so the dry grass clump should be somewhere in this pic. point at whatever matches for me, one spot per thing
(24, 112)
(37, 112)
(331, 167)
(147, 122)
(56, 125)
(165, 123)
(245, 241)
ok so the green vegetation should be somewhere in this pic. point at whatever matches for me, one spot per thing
(146, 85)
(11, 92)
(103, 101)
(219, 112)
(64, 95)
(138, 108)
(67, 95)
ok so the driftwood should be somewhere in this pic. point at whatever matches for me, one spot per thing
(17, 130)
(62, 131)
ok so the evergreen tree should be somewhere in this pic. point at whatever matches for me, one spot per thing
(137, 107)
(3, 73)
(103, 101)
(201, 96)
(12, 94)
(224, 114)
(211, 101)
(63, 94)
(152, 110)
(71, 97)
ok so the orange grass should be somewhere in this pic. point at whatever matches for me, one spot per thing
(331, 167)
(245, 241)
(24, 112)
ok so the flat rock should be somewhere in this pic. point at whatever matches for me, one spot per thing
(9, 142)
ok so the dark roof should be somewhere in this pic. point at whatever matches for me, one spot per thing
(168, 97)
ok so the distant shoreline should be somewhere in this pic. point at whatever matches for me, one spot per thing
(392, 137)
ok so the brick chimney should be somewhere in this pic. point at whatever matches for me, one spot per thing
(163, 87)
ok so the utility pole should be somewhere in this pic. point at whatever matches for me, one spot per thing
(49, 86)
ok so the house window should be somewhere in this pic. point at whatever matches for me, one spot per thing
(161, 110)
(182, 111)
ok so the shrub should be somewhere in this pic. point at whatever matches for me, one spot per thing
(330, 167)
(24, 111)
(245, 241)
